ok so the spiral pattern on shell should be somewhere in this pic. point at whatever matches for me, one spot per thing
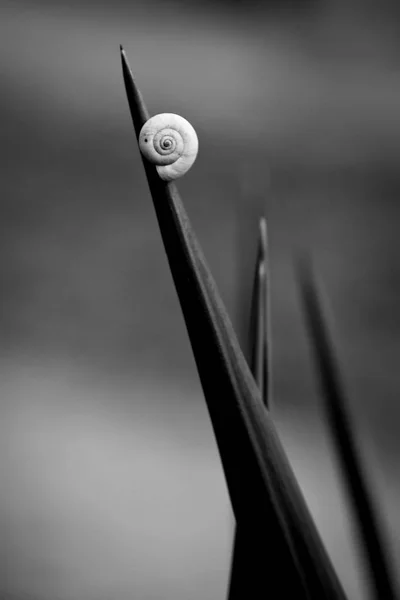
(169, 142)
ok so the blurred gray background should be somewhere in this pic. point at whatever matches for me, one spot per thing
(111, 481)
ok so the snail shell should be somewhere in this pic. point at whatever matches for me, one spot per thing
(169, 142)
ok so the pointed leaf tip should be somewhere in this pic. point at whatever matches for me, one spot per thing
(137, 106)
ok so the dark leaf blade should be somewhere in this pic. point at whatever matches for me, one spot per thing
(245, 553)
(370, 530)
(137, 106)
(260, 331)
(263, 490)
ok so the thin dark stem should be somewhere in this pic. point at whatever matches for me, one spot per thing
(245, 554)
(262, 487)
(260, 329)
(368, 524)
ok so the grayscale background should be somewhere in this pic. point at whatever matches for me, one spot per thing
(111, 484)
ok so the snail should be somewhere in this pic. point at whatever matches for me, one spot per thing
(169, 142)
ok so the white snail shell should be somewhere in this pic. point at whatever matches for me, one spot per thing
(169, 142)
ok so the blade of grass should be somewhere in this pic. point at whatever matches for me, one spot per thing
(370, 530)
(262, 487)
(245, 553)
(260, 330)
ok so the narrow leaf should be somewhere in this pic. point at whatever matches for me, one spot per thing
(367, 522)
(247, 549)
(260, 330)
(261, 484)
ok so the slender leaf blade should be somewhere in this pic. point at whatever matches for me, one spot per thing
(370, 529)
(262, 487)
